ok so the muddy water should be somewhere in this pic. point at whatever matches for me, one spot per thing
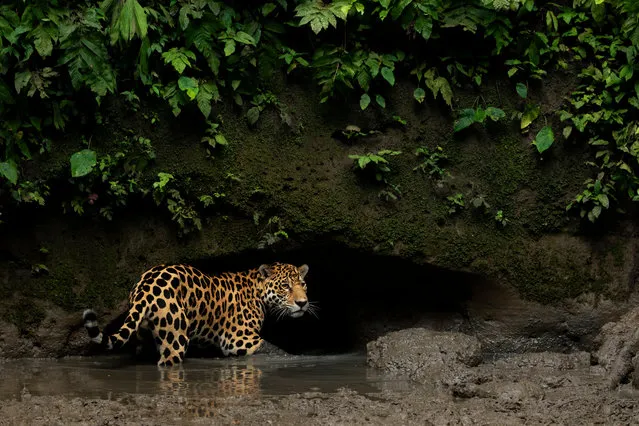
(336, 390)
(262, 375)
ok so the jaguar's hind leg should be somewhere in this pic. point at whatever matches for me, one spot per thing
(171, 338)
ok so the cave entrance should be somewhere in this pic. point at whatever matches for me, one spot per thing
(360, 295)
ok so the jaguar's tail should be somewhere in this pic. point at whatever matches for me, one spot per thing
(117, 339)
(91, 325)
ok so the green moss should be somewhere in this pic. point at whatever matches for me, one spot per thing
(24, 314)
(309, 183)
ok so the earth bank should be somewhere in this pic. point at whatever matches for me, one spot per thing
(537, 283)
(457, 387)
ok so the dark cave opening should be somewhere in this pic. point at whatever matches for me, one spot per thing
(361, 296)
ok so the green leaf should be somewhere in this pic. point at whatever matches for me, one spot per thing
(235, 84)
(567, 131)
(445, 90)
(603, 200)
(220, 139)
(178, 58)
(522, 90)
(466, 119)
(544, 139)
(424, 26)
(480, 115)
(229, 47)
(267, 9)
(208, 92)
(9, 170)
(189, 85)
(21, 80)
(140, 20)
(253, 114)
(42, 41)
(363, 161)
(596, 212)
(380, 101)
(495, 114)
(244, 38)
(388, 75)
(419, 94)
(82, 162)
(364, 101)
(530, 114)
(131, 21)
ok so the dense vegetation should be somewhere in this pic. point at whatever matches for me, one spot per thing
(59, 59)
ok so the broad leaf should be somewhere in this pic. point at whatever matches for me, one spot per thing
(380, 101)
(21, 80)
(419, 94)
(364, 101)
(42, 41)
(253, 114)
(495, 114)
(567, 131)
(466, 119)
(388, 75)
(229, 47)
(544, 139)
(244, 38)
(522, 90)
(9, 170)
(529, 115)
(189, 85)
(82, 162)
(445, 90)
(603, 200)
(220, 139)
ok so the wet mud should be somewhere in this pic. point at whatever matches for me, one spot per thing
(535, 388)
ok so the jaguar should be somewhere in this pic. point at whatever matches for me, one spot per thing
(180, 305)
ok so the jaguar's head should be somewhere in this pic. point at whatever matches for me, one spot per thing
(285, 289)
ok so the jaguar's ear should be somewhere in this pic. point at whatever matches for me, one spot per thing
(303, 271)
(265, 270)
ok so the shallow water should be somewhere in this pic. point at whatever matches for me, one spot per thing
(260, 375)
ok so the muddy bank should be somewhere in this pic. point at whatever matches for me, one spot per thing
(419, 377)
(526, 389)
(542, 283)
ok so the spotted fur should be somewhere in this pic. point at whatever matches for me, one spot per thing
(181, 305)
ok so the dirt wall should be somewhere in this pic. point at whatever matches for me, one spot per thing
(298, 171)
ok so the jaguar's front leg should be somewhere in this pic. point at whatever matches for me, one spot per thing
(248, 344)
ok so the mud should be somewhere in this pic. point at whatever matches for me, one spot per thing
(535, 388)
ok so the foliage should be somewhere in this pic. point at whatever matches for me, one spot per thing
(500, 218)
(60, 59)
(377, 162)
(82, 162)
(213, 137)
(272, 233)
(182, 210)
(431, 161)
(469, 116)
(379, 166)
(105, 182)
(544, 139)
(595, 198)
(455, 203)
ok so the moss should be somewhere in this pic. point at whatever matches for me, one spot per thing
(24, 314)
(308, 181)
